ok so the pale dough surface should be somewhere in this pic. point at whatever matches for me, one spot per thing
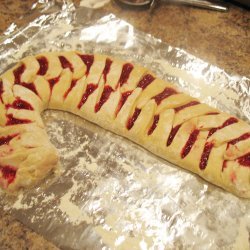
(124, 98)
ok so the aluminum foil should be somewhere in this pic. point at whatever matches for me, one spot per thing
(113, 194)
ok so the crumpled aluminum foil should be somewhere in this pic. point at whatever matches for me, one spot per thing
(112, 194)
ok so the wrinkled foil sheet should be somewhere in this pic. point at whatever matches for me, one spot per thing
(113, 194)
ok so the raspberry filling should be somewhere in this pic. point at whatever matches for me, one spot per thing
(224, 165)
(228, 122)
(89, 90)
(212, 113)
(133, 118)
(241, 138)
(88, 61)
(164, 94)
(205, 155)
(53, 82)
(126, 70)
(104, 97)
(1, 91)
(172, 134)
(43, 62)
(193, 103)
(30, 86)
(20, 104)
(244, 160)
(123, 99)
(65, 63)
(145, 81)
(190, 142)
(72, 85)
(14, 121)
(154, 125)
(17, 73)
(106, 69)
(233, 177)
(5, 140)
(8, 173)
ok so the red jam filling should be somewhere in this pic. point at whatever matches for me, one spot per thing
(145, 81)
(190, 142)
(228, 122)
(104, 97)
(17, 73)
(65, 63)
(43, 62)
(224, 165)
(20, 104)
(172, 134)
(193, 103)
(88, 61)
(8, 173)
(5, 140)
(1, 91)
(123, 99)
(72, 85)
(53, 82)
(89, 90)
(133, 118)
(106, 69)
(205, 155)
(30, 86)
(154, 125)
(244, 160)
(212, 113)
(164, 94)
(14, 121)
(233, 177)
(241, 138)
(126, 70)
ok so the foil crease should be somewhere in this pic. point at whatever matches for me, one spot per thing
(113, 194)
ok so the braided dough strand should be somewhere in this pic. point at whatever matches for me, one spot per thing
(124, 98)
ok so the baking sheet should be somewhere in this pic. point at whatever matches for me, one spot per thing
(113, 194)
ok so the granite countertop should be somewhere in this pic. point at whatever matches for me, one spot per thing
(222, 39)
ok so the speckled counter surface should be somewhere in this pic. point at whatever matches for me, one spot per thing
(14, 235)
(222, 39)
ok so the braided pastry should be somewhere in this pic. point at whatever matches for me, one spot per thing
(121, 97)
